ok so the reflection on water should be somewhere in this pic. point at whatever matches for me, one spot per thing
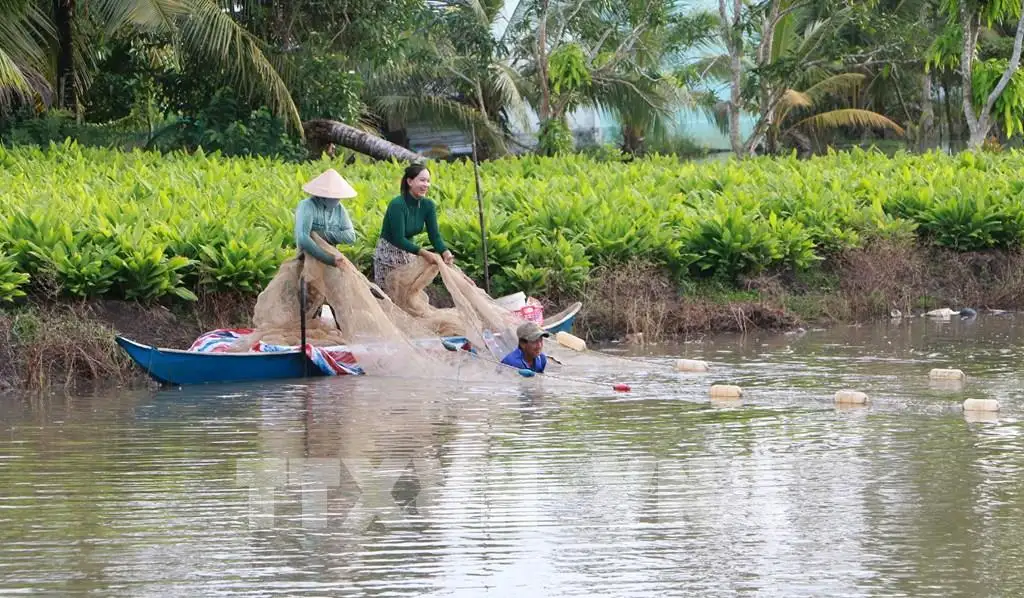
(410, 488)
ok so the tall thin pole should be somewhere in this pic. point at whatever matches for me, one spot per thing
(480, 206)
(302, 325)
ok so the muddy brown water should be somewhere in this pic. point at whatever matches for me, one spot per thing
(391, 487)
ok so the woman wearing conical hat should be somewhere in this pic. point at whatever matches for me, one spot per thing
(323, 214)
(277, 314)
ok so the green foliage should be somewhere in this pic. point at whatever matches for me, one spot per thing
(944, 53)
(968, 222)
(563, 263)
(325, 87)
(58, 125)
(81, 268)
(679, 144)
(102, 223)
(12, 282)
(220, 126)
(567, 70)
(554, 138)
(244, 263)
(729, 241)
(990, 11)
(224, 126)
(145, 273)
(1009, 106)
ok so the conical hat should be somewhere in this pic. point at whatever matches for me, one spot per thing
(330, 185)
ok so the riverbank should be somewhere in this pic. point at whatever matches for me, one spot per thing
(850, 286)
(68, 344)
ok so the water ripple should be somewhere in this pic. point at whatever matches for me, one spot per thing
(390, 487)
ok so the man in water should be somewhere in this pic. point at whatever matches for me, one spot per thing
(529, 355)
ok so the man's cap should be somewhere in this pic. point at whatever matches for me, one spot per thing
(530, 331)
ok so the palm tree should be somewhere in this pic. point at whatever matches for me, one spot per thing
(22, 57)
(199, 28)
(789, 54)
(620, 57)
(796, 113)
(439, 84)
(642, 92)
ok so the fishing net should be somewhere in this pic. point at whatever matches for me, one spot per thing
(277, 315)
(387, 337)
(406, 286)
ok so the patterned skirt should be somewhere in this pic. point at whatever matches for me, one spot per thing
(386, 258)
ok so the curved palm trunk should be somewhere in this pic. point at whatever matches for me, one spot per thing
(321, 132)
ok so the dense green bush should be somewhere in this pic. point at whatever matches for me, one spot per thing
(142, 225)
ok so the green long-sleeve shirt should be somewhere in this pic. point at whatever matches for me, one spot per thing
(332, 223)
(406, 218)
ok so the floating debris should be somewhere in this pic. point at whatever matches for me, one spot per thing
(988, 405)
(851, 397)
(941, 374)
(692, 365)
(573, 342)
(726, 391)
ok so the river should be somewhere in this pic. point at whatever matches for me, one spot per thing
(392, 487)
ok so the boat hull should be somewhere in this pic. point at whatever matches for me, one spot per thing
(172, 366)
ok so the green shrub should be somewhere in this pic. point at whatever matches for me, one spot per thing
(139, 225)
(12, 282)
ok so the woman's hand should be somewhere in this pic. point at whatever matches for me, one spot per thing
(430, 256)
(448, 257)
(340, 261)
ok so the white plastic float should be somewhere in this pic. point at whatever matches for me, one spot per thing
(851, 397)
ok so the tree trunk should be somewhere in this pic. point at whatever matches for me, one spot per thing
(321, 132)
(542, 62)
(947, 104)
(766, 105)
(480, 99)
(734, 46)
(927, 126)
(63, 13)
(771, 140)
(632, 140)
(280, 26)
(979, 124)
(735, 85)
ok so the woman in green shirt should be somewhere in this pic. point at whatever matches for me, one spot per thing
(407, 216)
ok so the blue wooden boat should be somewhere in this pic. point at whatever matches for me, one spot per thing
(179, 367)
(175, 366)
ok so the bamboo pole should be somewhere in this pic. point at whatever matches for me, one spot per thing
(480, 207)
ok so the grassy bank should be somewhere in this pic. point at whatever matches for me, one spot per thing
(70, 343)
(652, 246)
